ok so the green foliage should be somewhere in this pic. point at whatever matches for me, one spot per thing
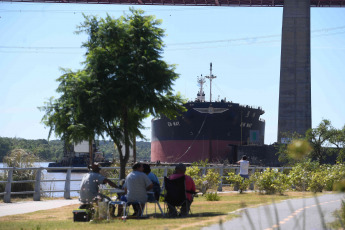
(210, 180)
(300, 174)
(122, 55)
(325, 140)
(193, 171)
(320, 138)
(238, 182)
(318, 181)
(282, 148)
(200, 163)
(19, 158)
(342, 211)
(299, 149)
(311, 176)
(271, 181)
(53, 150)
(43, 149)
(210, 196)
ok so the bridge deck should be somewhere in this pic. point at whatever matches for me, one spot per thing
(270, 3)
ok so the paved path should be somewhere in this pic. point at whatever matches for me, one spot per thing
(7, 209)
(290, 214)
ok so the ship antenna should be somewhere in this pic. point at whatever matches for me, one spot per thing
(211, 77)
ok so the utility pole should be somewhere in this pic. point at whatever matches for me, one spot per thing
(211, 77)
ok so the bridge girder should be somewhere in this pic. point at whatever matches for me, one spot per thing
(255, 3)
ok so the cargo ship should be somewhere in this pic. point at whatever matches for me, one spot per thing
(208, 130)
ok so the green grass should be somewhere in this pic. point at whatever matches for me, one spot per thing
(204, 213)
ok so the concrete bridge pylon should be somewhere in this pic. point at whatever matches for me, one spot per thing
(294, 113)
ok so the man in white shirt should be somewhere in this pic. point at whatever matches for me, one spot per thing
(136, 186)
(244, 166)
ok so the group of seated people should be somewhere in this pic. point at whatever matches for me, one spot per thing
(140, 186)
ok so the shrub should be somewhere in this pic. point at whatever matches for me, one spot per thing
(238, 182)
(271, 181)
(212, 196)
(210, 180)
(19, 158)
(300, 174)
(335, 173)
(317, 181)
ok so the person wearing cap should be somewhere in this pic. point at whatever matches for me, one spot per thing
(89, 187)
(180, 171)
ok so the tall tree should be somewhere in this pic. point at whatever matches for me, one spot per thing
(128, 80)
(319, 138)
(338, 140)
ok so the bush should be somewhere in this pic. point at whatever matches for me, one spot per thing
(210, 180)
(335, 173)
(212, 196)
(317, 181)
(271, 181)
(19, 158)
(301, 174)
(238, 182)
(312, 176)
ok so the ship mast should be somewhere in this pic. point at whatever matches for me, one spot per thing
(201, 94)
(211, 77)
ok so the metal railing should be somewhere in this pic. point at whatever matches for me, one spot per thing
(38, 191)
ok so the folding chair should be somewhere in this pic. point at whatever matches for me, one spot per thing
(175, 197)
(156, 202)
(119, 204)
(138, 205)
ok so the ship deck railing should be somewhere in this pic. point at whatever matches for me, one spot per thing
(161, 171)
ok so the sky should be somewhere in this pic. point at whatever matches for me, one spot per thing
(243, 43)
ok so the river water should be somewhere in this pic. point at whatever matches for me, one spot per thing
(57, 185)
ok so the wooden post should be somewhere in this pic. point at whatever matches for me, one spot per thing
(37, 193)
(67, 193)
(7, 196)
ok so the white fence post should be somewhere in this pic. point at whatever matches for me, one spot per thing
(67, 193)
(37, 193)
(7, 196)
(251, 186)
(220, 187)
(165, 171)
(203, 170)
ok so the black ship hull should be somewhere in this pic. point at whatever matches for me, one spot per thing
(207, 130)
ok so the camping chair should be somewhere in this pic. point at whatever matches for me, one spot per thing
(175, 197)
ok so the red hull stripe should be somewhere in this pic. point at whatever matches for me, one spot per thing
(189, 151)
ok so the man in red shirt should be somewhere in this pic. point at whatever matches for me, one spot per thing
(180, 171)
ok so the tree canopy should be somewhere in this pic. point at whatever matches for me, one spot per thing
(124, 81)
(325, 141)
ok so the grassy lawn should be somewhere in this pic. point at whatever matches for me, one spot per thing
(204, 213)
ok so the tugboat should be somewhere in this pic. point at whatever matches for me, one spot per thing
(210, 130)
(78, 156)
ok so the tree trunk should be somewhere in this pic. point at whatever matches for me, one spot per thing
(134, 150)
(90, 151)
(124, 158)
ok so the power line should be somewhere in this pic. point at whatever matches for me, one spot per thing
(226, 42)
